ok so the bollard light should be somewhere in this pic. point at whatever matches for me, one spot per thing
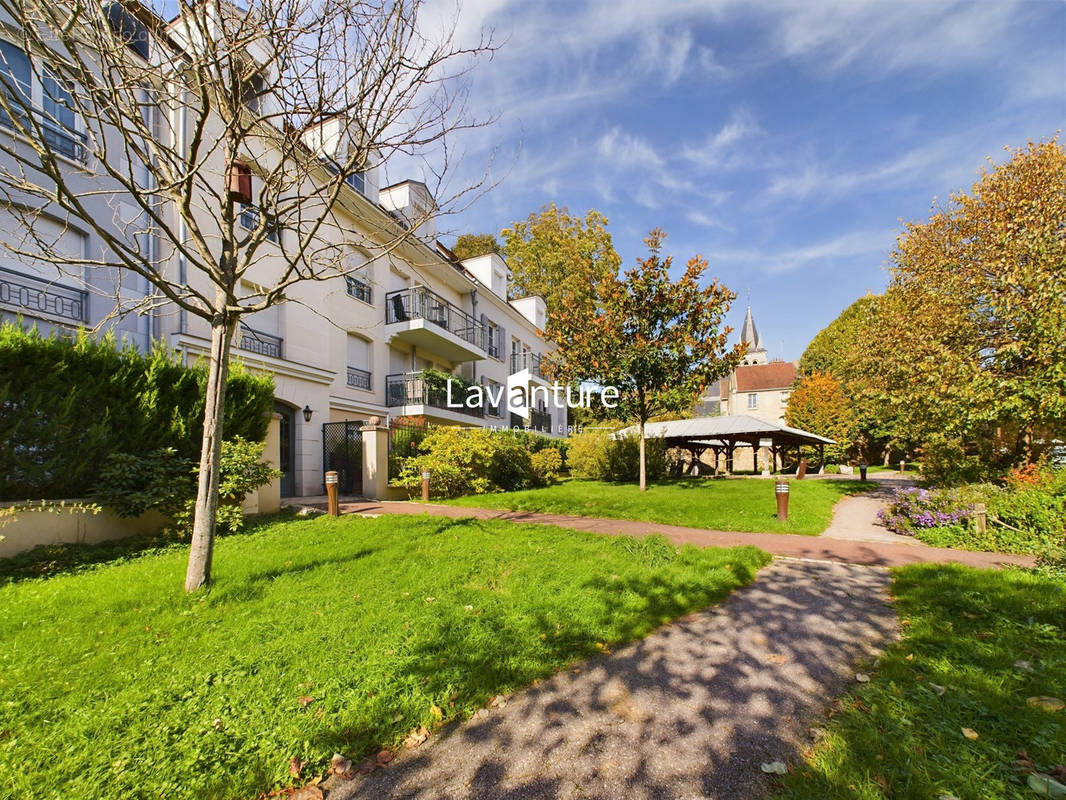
(425, 485)
(781, 492)
(862, 471)
(333, 501)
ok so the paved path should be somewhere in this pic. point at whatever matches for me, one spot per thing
(855, 517)
(818, 548)
(692, 711)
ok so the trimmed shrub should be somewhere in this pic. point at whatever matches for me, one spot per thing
(67, 404)
(468, 461)
(547, 464)
(587, 455)
(596, 456)
(165, 482)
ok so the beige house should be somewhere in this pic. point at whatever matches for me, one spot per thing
(341, 350)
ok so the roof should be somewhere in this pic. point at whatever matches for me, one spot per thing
(760, 377)
(718, 429)
(748, 334)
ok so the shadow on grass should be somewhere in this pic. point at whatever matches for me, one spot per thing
(711, 720)
(50, 560)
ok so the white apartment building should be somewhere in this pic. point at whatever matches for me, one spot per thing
(341, 350)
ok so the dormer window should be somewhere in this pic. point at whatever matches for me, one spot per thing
(357, 181)
(128, 28)
(253, 91)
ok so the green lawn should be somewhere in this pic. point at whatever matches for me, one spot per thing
(900, 736)
(319, 636)
(738, 504)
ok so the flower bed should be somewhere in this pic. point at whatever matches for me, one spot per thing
(914, 509)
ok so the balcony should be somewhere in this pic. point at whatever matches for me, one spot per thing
(40, 297)
(425, 319)
(359, 289)
(64, 141)
(359, 378)
(527, 360)
(265, 344)
(409, 389)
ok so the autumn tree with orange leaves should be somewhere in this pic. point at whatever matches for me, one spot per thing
(659, 341)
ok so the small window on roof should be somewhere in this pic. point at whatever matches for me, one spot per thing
(128, 28)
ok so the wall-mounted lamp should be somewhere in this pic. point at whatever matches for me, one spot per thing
(307, 413)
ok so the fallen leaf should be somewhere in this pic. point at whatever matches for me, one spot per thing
(416, 737)
(776, 658)
(1046, 703)
(936, 687)
(970, 733)
(862, 677)
(775, 767)
(305, 700)
(436, 712)
(1046, 786)
(385, 756)
(338, 764)
(296, 766)
(882, 781)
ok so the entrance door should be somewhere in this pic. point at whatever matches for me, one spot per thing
(286, 449)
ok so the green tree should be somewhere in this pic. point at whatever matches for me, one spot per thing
(560, 257)
(472, 245)
(817, 404)
(984, 282)
(659, 342)
(845, 350)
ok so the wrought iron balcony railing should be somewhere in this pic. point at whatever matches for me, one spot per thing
(540, 421)
(39, 296)
(526, 360)
(265, 344)
(359, 289)
(414, 388)
(359, 378)
(420, 303)
(65, 141)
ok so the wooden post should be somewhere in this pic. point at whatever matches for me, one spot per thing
(980, 517)
(331, 494)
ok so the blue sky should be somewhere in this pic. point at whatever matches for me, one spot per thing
(783, 141)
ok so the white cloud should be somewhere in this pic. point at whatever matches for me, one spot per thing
(726, 146)
(826, 252)
(624, 150)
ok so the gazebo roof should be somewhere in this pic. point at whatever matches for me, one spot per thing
(720, 431)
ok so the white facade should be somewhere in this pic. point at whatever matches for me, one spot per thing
(347, 348)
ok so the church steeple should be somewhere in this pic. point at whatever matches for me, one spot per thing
(749, 335)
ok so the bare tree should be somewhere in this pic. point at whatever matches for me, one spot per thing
(171, 120)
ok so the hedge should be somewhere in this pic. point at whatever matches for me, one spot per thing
(67, 403)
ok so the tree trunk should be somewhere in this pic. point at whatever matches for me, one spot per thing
(203, 532)
(643, 464)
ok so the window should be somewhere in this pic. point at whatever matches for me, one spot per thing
(495, 391)
(129, 29)
(359, 289)
(359, 375)
(253, 91)
(52, 97)
(753, 400)
(492, 339)
(249, 220)
(357, 181)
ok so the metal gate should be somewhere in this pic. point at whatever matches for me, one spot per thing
(342, 452)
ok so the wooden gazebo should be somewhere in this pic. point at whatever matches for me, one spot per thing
(723, 435)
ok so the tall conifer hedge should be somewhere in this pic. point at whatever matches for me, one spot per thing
(66, 404)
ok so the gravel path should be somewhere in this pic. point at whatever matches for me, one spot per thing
(692, 711)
